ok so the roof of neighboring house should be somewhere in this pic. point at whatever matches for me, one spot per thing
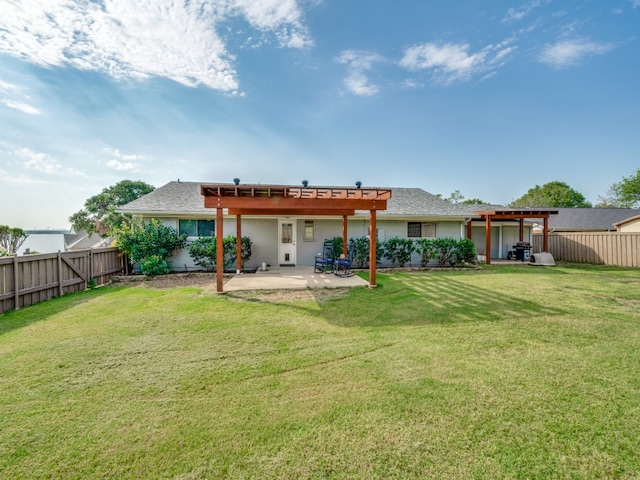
(81, 241)
(589, 219)
(184, 198)
(627, 220)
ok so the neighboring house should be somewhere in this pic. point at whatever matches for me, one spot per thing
(630, 225)
(589, 219)
(411, 213)
(84, 241)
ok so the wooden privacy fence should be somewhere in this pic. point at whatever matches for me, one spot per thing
(29, 279)
(608, 248)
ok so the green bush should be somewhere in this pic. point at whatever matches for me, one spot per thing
(155, 265)
(203, 251)
(427, 250)
(398, 250)
(149, 244)
(359, 249)
(465, 252)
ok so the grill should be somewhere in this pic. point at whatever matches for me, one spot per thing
(521, 251)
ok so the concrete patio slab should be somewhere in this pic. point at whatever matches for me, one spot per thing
(290, 278)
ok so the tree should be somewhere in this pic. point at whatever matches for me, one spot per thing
(623, 194)
(552, 194)
(99, 213)
(11, 239)
(456, 197)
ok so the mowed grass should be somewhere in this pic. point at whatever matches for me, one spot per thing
(507, 372)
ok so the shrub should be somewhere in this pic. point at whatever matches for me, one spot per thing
(155, 265)
(398, 250)
(149, 244)
(427, 249)
(465, 252)
(203, 251)
(359, 249)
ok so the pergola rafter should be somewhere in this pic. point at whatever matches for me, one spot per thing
(287, 200)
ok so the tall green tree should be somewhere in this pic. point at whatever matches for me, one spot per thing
(99, 213)
(552, 194)
(623, 194)
(11, 239)
(457, 197)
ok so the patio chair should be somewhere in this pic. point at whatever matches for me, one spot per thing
(324, 261)
(342, 266)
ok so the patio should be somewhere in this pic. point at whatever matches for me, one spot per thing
(290, 278)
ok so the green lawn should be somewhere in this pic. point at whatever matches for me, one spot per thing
(505, 372)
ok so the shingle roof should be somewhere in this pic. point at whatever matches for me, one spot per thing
(184, 198)
(172, 198)
(589, 219)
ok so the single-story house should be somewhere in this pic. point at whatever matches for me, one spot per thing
(630, 225)
(84, 241)
(410, 213)
(589, 219)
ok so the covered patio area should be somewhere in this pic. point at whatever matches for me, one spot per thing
(291, 278)
(284, 200)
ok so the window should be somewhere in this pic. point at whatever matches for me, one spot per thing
(197, 228)
(421, 229)
(309, 230)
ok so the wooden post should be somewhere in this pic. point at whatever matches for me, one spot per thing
(488, 239)
(16, 283)
(372, 250)
(219, 251)
(238, 245)
(91, 269)
(344, 235)
(545, 235)
(521, 229)
(60, 290)
(469, 229)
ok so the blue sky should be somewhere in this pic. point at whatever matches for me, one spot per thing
(489, 98)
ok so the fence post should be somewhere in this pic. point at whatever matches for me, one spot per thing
(91, 269)
(60, 291)
(16, 283)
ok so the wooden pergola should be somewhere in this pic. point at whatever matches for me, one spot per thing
(284, 200)
(514, 214)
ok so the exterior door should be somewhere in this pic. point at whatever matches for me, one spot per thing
(287, 242)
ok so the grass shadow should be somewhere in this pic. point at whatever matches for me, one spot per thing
(431, 298)
(25, 316)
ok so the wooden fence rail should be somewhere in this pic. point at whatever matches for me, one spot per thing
(608, 248)
(29, 279)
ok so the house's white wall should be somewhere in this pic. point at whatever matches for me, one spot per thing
(630, 227)
(503, 238)
(264, 236)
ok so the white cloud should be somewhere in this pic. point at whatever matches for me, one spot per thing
(450, 62)
(569, 53)
(23, 107)
(123, 162)
(136, 40)
(516, 14)
(635, 3)
(123, 166)
(358, 63)
(43, 163)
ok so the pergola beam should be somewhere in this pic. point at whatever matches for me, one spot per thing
(280, 203)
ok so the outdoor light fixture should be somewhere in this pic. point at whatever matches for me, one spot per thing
(358, 184)
(236, 181)
(305, 183)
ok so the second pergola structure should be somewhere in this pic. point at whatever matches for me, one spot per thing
(287, 200)
(513, 214)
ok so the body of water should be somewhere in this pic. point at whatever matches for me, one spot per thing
(43, 241)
